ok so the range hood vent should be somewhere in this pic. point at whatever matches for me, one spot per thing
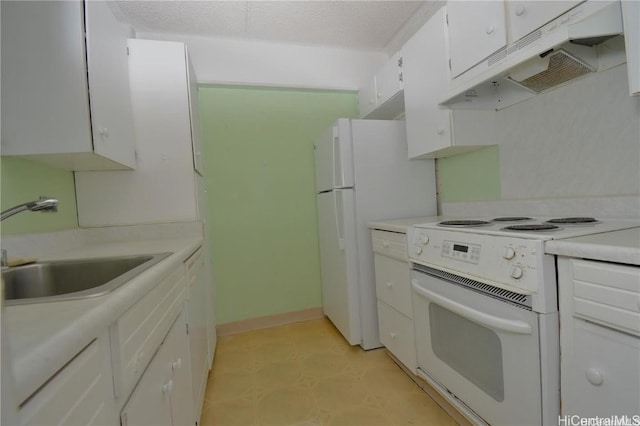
(562, 50)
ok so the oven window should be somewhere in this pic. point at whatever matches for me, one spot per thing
(472, 350)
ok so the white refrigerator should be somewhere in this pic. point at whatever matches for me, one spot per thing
(362, 174)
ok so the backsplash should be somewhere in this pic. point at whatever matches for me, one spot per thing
(578, 141)
(23, 181)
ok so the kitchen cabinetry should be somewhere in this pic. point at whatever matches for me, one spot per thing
(599, 338)
(631, 22)
(430, 130)
(476, 30)
(65, 85)
(197, 318)
(526, 16)
(382, 96)
(79, 394)
(163, 395)
(393, 291)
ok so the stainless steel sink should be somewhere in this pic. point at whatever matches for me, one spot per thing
(72, 279)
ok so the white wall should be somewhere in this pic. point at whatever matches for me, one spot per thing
(235, 61)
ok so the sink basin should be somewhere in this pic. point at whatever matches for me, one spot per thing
(72, 279)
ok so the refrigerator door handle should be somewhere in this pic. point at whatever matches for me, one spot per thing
(338, 214)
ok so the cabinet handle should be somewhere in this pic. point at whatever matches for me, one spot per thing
(594, 376)
(385, 244)
(379, 94)
(490, 29)
(104, 132)
(175, 365)
(440, 132)
(167, 387)
(389, 284)
(393, 335)
(520, 10)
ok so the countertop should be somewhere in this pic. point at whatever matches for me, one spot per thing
(616, 246)
(43, 337)
(401, 225)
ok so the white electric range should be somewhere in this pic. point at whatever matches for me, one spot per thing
(486, 312)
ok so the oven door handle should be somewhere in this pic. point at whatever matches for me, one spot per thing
(491, 321)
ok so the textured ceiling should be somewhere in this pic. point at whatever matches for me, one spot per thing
(348, 24)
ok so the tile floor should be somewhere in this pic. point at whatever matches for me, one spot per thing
(305, 374)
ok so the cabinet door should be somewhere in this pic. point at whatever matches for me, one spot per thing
(425, 83)
(367, 98)
(526, 16)
(476, 30)
(182, 402)
(197, 319)
(389, 79)
(45, 106)
(77, 395)
(110, 99)
(602, 378)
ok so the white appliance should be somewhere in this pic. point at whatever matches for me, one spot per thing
(362, 174)
(486, 313)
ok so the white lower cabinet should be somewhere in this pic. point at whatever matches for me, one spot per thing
(163, 394)
(78, 394)
(599, 339)
(393, 290)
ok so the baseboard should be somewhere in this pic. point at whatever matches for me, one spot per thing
(251, 324)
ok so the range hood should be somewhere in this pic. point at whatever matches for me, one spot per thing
(582, 41)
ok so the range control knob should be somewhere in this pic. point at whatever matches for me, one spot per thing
(424, 238)
(418, 250)
(508, 253)
(516, 272)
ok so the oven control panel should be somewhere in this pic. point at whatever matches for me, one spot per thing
(461, 251)
(517, 263)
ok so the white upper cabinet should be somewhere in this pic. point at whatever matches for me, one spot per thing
(430, 130)
(381, 97)
(476, 30)
(529, 15)
(66, 102)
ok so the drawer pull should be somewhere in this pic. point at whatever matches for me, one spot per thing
(167, 387)
(175, 365)
(389, 284)
(385, 244)
(594, 376)
(393, 335)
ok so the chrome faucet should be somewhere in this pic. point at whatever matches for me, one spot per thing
(42, 204)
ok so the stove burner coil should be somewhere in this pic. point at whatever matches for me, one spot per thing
(531, 227)
(572, 220)
(511, 219)
(463, 223)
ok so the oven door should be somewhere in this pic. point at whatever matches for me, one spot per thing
(483, 350)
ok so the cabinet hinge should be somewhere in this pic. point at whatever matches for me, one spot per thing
(128, 52)
(446, 18)
(400, 77)
(400, 62)
(449, 64)
(187, 325)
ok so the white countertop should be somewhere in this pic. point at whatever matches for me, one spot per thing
(616, 246)
(44, 336)
(401, 225)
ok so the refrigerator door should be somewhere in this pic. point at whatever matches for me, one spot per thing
(338, 262)
(334, 158)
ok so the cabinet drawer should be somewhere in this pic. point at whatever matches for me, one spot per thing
(393, 283)
(396, 334)
(393, 244)
(141, 329)
(608, 294)
(76, 395)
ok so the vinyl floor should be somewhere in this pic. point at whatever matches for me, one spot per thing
(306, 374)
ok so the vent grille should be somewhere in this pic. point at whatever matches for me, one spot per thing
(498, 56)
(520, 300)
(562, 68)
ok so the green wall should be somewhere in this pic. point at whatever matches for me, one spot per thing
(258, 147)
(22, 181)
(474, 176)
